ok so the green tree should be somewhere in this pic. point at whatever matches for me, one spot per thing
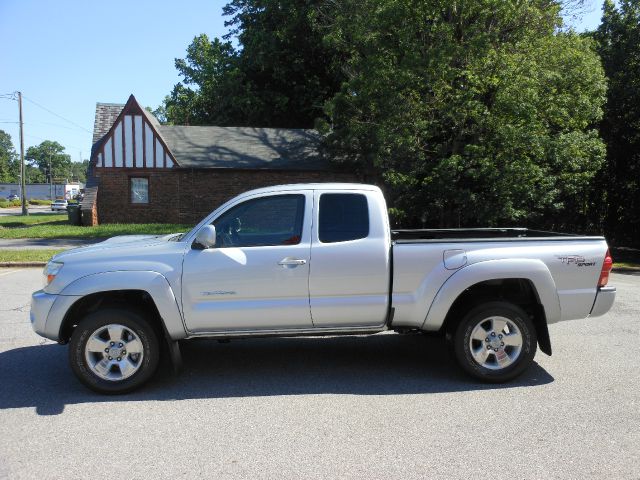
(34, 175)
(618, 42)
(48, 155)
(204, 96)
(279, 76)
(475, 113)
(7, 158)
(79, 171)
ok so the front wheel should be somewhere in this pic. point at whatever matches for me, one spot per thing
(114, 351)
(495, 342)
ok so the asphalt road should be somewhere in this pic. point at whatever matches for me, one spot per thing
(387, 406)
(32, 209)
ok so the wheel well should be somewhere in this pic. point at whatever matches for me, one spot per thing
(137, 299)
(519, 291)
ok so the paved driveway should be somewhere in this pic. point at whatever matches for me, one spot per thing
(386, 406)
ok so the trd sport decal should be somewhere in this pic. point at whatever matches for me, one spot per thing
(577, 260)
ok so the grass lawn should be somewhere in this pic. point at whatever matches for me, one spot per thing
(626, 264)
(45, 225)
(625, 257)
(27, 255)
(12, 221)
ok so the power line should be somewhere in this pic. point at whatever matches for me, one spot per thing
(50, 123)
(54, 113)
(46, 140)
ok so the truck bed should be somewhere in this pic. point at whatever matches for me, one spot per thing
(481, 234)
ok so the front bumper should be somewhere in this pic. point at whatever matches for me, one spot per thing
(41, 304)
(604, 301)
(48, 312)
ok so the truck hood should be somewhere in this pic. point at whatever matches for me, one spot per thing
(146, 253)
(111, 246)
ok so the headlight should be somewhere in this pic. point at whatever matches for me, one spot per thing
(50, 271)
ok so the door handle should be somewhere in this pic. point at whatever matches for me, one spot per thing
(291, 262)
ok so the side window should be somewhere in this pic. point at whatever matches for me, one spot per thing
(343, 217)
(275, 220)
(139, 190)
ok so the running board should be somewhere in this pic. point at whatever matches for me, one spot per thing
(298, 332)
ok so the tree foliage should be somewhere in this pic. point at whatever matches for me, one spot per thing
(618, 42)
(48, 157)
(280, 74)
(37, 163)
(7, 158)
(79, 171)
(469, 113)
(472, 113)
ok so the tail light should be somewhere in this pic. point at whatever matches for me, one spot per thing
(607, 265)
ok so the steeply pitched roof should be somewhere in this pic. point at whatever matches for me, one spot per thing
(244, 147)
(223, 147)
(106, 115)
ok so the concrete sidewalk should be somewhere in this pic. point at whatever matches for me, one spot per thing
(46, 243)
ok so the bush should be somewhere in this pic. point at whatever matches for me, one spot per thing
(4, 203)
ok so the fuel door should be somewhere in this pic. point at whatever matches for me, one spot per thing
(454, 259)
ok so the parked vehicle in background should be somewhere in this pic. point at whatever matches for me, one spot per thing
(316, 259)
(13, 197)
(59, 205)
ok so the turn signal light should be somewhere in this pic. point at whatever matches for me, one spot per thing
(50, 271)
(607, 265)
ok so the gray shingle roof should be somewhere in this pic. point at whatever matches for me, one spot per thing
(225, 147)
(244, 147)
(106, 115)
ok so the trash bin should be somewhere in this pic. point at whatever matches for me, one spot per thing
(73, 213)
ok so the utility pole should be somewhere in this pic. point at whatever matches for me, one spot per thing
(25, 210)
(50, 179)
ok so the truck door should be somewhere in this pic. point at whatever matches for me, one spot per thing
(257, 275)
(350, 255)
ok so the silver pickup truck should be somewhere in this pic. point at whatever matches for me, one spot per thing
(316, 259)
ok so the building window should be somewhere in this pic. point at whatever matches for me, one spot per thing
(139, 190)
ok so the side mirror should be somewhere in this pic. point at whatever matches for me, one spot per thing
(206, 238)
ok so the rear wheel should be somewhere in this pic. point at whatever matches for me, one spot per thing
(114, 350)
(495, 342)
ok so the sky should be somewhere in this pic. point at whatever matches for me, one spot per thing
(66, 55)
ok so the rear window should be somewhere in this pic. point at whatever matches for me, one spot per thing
(343, 217)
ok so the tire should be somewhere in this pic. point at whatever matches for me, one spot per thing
(495, 342)
(98, 350)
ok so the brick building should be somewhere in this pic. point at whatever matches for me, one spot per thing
(141, 171)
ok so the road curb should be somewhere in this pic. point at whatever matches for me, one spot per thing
(22, 264)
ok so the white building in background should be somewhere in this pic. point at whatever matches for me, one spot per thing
(42, 191)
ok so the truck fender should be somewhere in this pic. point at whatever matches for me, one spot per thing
(530, 269)
(154, 283)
